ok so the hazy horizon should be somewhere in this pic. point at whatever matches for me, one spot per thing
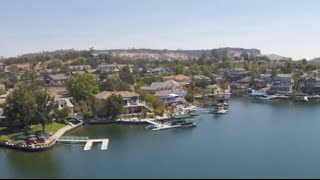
(284, 27)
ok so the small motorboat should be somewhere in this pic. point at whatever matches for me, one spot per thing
(220, 109)
(184, 123)
(301, 99)
(151, 126)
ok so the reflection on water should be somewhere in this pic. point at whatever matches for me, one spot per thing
(29, 165)
(272, 139)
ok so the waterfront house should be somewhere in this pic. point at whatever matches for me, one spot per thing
(65, 103)
(130, 101)
(244, 83)
(310, 85)
(236, 74)
(281, 84)
(161, 89)
(265, 81)
(170, 91)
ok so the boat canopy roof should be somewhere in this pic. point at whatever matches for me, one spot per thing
(184, 116)
(256, 93)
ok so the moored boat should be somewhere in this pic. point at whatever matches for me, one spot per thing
(301, 98)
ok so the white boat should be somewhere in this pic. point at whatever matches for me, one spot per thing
(268, 97)
(163, 127)
(220, 110)
(302, 98)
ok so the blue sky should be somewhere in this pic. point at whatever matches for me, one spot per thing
(286, 27)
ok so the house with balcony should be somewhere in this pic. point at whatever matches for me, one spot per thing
(310, 85)
(264, 82)
(281, 84)
(237, 74)
(55, 79)
(65, 103)
(170, 91)
(130, 101)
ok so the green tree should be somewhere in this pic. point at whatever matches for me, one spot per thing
(55, 63)
(14, 74)
(224, 84)
(46, 108)
(103, 76)
(115, 85)
(80, 61)
(82, 86)
(20, 109)
(63, 113)
(296, 82)
(189, 97)
(126, 75)
(228, 64)
(113, 106)
(244, 56)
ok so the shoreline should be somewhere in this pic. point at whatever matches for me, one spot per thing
(43, 147)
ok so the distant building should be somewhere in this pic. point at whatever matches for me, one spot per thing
(244, 83)
(159, 70)
(216, 78)
(181, 79)
(79, 67)
(55, 79)
(237, 74)
(161, 89)
(264, 82)
(282, 84)
(201, 77)
(108, 68)
(223, 71)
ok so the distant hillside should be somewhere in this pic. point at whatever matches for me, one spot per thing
(165, 54)
(315, 60)
(274, 57)
(151, 54)
(154, 54)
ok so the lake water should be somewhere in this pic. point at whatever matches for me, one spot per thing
(278, 139)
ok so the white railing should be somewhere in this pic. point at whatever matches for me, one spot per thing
(73, 138)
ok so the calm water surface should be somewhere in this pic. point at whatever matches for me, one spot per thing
(278, 139)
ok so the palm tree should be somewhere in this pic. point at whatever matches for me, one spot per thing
(224, 84)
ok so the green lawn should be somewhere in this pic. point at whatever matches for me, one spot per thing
(51, 129)
(6, 134)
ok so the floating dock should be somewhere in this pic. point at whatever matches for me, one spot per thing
(88, 142)
(104, 144)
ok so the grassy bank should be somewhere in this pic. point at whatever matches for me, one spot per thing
(6, 134)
